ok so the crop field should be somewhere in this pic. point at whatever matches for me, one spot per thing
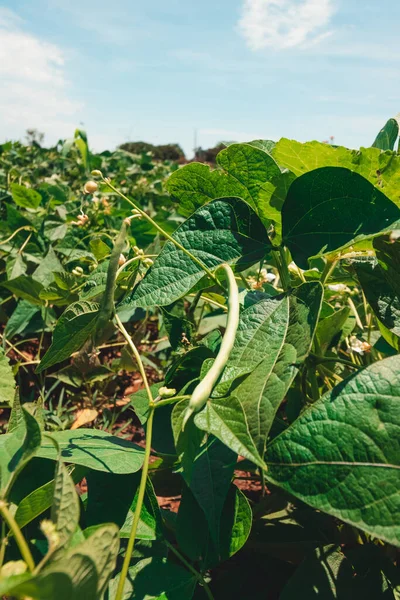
(200, 372)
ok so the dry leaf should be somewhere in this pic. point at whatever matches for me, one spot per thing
(84, 416)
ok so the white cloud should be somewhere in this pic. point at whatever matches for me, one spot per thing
(283, 24)
(34, 87)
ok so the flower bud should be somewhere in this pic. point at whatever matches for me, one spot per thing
(148, 262)
(49, 529)
(96, 173)
(121, 260)
(165, 392)
(13, 567)
(90, 187)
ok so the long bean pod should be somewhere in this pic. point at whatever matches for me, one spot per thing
(203, 390)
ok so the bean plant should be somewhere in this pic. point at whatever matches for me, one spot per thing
(259, 304)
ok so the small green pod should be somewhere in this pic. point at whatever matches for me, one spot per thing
(107, 302)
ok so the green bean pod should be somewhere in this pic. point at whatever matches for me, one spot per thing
(203, 390)
(107, 302)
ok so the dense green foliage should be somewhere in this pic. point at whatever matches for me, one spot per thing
(306, 408)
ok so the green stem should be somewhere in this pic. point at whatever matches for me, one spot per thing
(187, 564)
(136, 354)
(355, 312)
(333, 359)
(145, 468)
(168, 401)
(312, 378)
(19, 538)
(327, 272)
(282, 266)
(161, 230)
(245, 283)
(138, 510)
(212, 302)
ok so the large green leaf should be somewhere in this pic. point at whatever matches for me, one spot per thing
(94, 449)
(382, 169)
(7, 389)
(262, 328)
(25, 197)
(330, 208)
(342, 455)
(73, 328)
(386, 138)
(225, 230)
(243, 420)
(245, 168)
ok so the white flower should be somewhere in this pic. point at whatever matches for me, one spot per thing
(341, 288)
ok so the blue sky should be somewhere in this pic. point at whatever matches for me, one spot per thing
(229, 69)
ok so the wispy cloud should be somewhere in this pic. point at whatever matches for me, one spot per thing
(34, 90)
(284, 24)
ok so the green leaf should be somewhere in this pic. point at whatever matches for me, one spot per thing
(46, 586)
(262, 327)
(246, 168)
(330, 327)
(15, 266)
(157, 579)
(16, 449)
(243, 420)
(150, 525)
(99, 248)
(94, 449)
(20, 318)
(55, 229)
(225, 230)
(386, 138)
(95, 284)
(380, 294)
(331, 208)
(34, 504)
(25, 197)
(113, 498)
(101, 547)
(342, 455)
(382, 169)
(325, 574)
(49, 265)
(7, 390)
(25, 287)
(176, 325)
(209, 481)
(73, 328)
(235, 526)
(65, 506)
